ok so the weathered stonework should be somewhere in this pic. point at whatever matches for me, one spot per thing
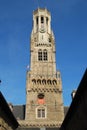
(4, 125)
(44, 104)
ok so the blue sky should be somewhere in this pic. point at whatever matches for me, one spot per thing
(69, 23)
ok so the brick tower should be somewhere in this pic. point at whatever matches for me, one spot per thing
(44, 104)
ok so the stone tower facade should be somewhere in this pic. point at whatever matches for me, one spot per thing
(44, 104)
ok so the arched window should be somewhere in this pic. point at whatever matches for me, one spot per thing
(43, 81)
(39, 81)
(49, 81)
(40, 55)
(47, 20)
(54, 82)
(45, 57)
(37, 20)
(49, 39)
(42, 19)
(33, 81)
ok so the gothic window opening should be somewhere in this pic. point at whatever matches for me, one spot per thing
(39, 81)
(54, 82)
(49, 82)
(43, 81)
(42, 19)
(40, 55)
(45, 55)
(33, 81)
(49, 39)
(37, 20)
(47, 20)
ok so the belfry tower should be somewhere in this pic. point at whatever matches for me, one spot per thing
(44, 104)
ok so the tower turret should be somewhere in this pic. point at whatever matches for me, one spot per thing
(42, 44)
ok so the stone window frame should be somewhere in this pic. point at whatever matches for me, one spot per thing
(42, 55)
(41, 112)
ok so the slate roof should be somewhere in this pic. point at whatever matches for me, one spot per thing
(66, 108)
(19, 111)
(6, 113)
